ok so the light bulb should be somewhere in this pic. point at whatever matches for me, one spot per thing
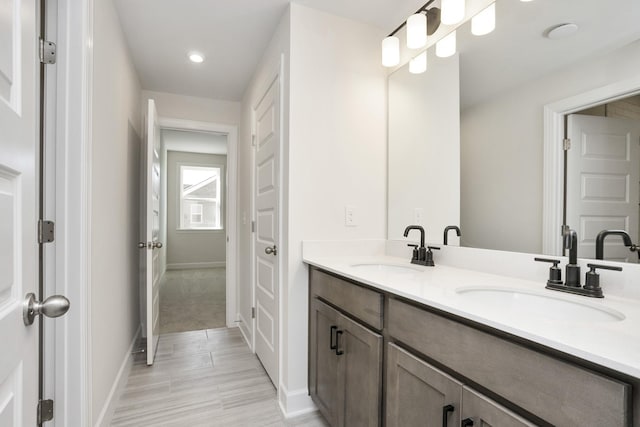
(196, 57)
(446, 46)
(452, 11)
(417, 31)
(418, 64)
(390, 51)
(484, 22)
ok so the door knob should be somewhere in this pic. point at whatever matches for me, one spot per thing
(157, 245)
(142, 245)
(54, 306)
(271, 250)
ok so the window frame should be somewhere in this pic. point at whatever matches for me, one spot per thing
(220, 200)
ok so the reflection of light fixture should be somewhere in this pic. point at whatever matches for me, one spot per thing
(416, 31)
(418, 64)
(485, 21)
(446, 46)
(421, 24)
(452, 11)
(196, 57)
(390, 51)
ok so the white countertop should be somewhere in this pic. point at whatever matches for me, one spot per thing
(603, 340)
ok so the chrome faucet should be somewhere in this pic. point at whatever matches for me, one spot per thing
(448, 228)
(625, 238)
(419, 252)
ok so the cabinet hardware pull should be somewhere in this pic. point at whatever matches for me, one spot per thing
(338, 351)
(332, 346)
(466, 422)
(445, 414)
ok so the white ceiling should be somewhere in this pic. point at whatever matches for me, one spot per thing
(232, 34)
(518, 51)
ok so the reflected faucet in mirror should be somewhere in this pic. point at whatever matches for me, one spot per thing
(448, 228)
(625, 238)
(419, 253)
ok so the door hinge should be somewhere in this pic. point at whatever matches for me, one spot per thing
(47, 52)
(253, 312)
(253, 140)
(253, 226)
(46, 231)
(566, 144)
(45, 410)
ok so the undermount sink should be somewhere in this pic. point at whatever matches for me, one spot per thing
(380, 268)
(541, 305)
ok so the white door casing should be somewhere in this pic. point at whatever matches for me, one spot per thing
(152, 227)
(266, 236)
(18, 211)
(603, 188)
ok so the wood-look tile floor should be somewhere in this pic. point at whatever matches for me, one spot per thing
(203, 378)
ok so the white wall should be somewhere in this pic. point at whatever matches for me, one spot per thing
(502, 152)
(184, 107)
(337, 155)
(424, 149)
(192, 248)
(114, 203)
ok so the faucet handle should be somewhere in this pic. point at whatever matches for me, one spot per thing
(433, 247)
(592, 281)
(555, 274)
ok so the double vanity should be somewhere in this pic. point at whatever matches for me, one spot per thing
(398, 344)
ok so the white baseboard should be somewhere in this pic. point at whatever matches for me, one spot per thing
(189, 265)
(104, 420)
(295, 403)
(244, 330)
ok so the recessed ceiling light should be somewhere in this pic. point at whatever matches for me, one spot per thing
(196, 57)
(561, 31)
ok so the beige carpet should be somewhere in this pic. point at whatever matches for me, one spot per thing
(193, 299)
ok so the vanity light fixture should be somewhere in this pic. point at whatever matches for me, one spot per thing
(390, 51)
(421, 24)
(417, 31)
(485, 21)
(196, 57)
(446, 46)
(418, 65)
(452, 11)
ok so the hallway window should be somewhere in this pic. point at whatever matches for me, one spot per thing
(200, 198)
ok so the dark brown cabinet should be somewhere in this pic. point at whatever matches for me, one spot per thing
(345, 368)
(419, 394)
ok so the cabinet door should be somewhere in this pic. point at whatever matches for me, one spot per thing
(418, 394)
(359, 375)
(323, 360)
(480, 411)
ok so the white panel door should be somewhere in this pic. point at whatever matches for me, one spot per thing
(603, 189)
(18, 211)
(152, 227)
(267, 131)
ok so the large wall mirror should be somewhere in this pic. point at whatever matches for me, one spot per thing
(472, 152)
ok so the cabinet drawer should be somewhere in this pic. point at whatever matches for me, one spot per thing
(556, 391)
(358, 301)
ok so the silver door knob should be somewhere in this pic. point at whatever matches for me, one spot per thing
(271, 250)
(142, 245)
(54, 306)
(157, 245)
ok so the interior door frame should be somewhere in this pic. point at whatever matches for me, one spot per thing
(231, 206)
(553, 156)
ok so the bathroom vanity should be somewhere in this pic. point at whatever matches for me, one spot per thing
(395, 344)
